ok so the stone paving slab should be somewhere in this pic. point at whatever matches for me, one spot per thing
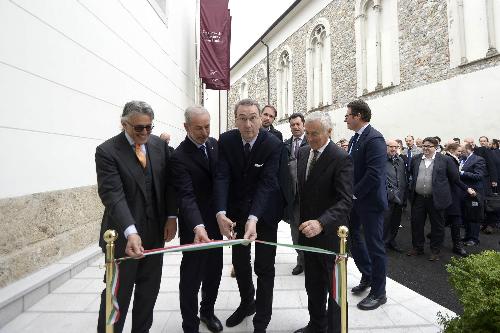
(74, 305)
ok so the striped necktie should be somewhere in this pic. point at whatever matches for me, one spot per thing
(140, 155)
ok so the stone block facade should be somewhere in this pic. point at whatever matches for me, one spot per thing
(423, 50)
(42, 228)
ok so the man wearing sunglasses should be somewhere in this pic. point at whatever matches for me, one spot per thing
(138, 203)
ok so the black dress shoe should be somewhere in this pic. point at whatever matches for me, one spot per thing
(362, 286)
(297, 270)
(213, 323)
(394, 247)
(302, 330)
(241, 312)
(460, 251)
(371, 302)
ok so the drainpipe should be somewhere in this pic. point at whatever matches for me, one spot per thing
(268, 78)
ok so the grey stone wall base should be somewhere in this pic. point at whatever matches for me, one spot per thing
(22, 294)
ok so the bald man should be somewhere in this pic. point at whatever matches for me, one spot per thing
(396, 194)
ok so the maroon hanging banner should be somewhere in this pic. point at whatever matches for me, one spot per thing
(215, 38)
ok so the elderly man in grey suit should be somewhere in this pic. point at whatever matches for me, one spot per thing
(135, 189)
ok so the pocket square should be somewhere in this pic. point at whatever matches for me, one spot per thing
(258, 165)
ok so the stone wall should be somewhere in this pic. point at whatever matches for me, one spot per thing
(423, 49)
(40, 229)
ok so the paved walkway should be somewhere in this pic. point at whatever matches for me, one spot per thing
(73, 306)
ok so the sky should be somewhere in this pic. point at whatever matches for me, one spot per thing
(250, 19)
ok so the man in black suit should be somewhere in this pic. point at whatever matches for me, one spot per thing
(132, 182)
(193, 169)
(268, 115)
(325, 174)
(166, 137)
(397, 187)
(249, 202)
(368, 150)
(292, 145)
(430, 194)
(472, 170)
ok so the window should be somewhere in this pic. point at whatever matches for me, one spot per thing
(161, 9)
(243, 89)
(474, 30)
(284, 85)
(377, 45)
(318, 62)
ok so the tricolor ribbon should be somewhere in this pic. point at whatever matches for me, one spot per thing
(115, 313)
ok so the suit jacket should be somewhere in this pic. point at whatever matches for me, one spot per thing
(193, 179)
(458, 190)
(473, 172)
(122, 189)
(490, 172)
(444, 173)
(369, 157)
(326, 195)
(276, 132)
(289, 146)
(251, 188)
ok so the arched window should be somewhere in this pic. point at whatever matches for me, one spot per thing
(377, 44)
(474, 30)
(243, 89)
(284, 85)
(318, 62)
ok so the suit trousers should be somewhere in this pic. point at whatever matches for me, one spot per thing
(264, 269)
(199, 268)
(392, 221)
(421, 208)
(454, 221)
(318, 280)
(368, 252)
(145, 273)
(294, 229)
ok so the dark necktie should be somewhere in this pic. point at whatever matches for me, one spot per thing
(203, 150)
(247, 151)
(296, 148)
(409, 157)
(313, 162)
(353, 142)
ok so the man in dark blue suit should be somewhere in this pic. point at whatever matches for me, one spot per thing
(368, 150)
(472, 170)
(249, 202)
(193, 167)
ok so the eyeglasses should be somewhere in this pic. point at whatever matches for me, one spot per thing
(392, 146)
(140, 128)
(427, 146)
(244, 120)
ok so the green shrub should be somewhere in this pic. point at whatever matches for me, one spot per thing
(477, 282)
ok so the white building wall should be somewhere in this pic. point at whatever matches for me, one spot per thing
(464, 106)
(66, 70)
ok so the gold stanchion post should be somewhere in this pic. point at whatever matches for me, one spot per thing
(109, 237)
(342, 233)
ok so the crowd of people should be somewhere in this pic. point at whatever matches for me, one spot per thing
(242, 185)
(471, 177)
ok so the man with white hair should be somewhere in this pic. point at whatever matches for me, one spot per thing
(325, 174)
(193, 168)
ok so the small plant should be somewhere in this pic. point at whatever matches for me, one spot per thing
(477, 282)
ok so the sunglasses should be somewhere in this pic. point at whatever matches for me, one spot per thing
(140, 128)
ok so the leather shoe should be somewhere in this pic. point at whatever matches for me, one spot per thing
(460, 251)
(213, 323)
(244, 310)
(371, 302)
(415, 252)
(362, 286)
(302, 330)
(394, 248)
(471, 243)
(297, 270)
(434, 257)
